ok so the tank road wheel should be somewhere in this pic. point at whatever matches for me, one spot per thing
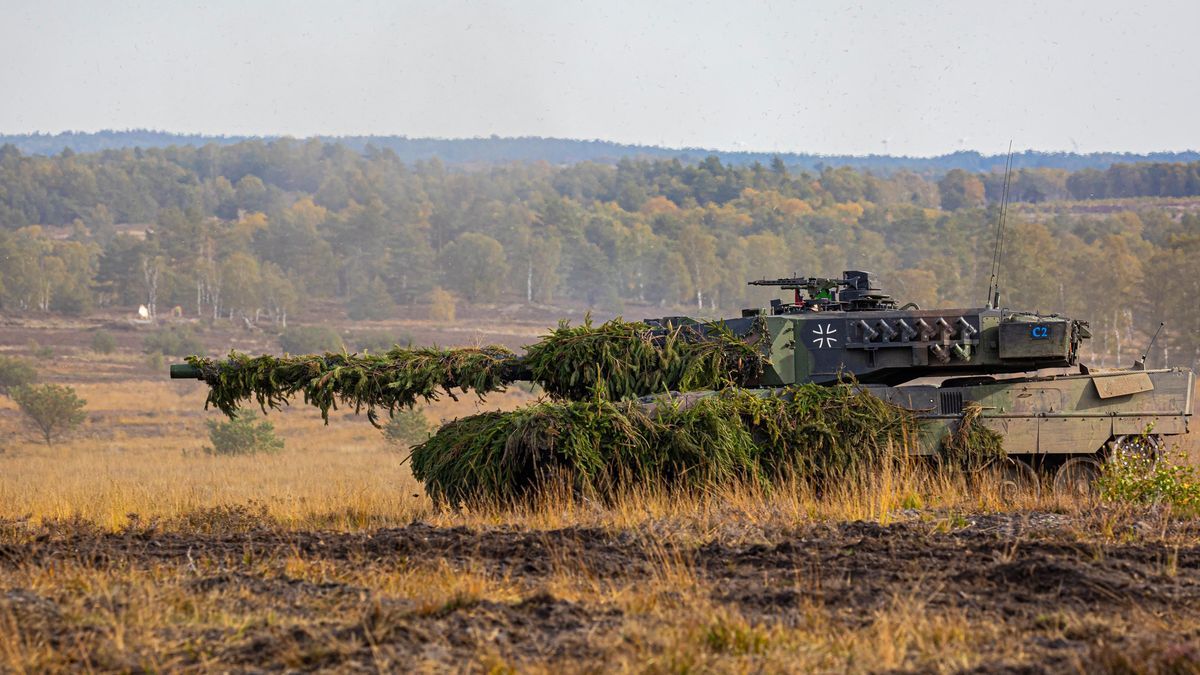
(1076, 478)
(1141, 451)
(1017, 477)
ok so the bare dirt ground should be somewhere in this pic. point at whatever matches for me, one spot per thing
(1018, 592)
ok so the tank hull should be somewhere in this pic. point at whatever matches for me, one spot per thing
(1055, 416)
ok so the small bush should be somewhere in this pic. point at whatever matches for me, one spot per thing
(103, 342)
(156, 362)
(53, 408)
(407, 428)
(1138, 479)
(173, 341)
(310, 340)
(379, 342)
(15, 372)
(241, 435)
(442, 305)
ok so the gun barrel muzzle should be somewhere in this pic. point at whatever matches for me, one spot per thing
(185, 371)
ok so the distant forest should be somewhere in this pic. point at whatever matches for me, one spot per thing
(252, 231)
(497, 150)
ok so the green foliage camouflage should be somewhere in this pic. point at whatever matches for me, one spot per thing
(618, 360)
(971, 445)
(811, 431)
(614, 361)
(398, 379)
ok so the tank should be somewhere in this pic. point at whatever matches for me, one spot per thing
(1022, 369)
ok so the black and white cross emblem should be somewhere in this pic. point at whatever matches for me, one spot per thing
(824, 333)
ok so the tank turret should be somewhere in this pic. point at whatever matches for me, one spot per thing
(846, 327)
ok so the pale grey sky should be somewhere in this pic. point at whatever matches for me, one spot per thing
(898, 77)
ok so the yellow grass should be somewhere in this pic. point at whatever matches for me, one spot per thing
(141, 451)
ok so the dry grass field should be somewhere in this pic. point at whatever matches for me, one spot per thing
(127, 548)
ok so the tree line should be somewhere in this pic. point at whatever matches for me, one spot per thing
(253, 231)
(499, 150)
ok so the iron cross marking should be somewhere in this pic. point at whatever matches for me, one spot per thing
(824, 333)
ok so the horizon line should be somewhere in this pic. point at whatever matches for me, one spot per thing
(495, 137)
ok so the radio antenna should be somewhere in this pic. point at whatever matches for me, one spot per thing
(1141, 363)
(993, 295)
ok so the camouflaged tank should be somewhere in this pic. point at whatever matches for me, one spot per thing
(1058, 417)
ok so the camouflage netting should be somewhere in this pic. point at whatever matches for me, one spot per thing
(810, 431)
(614, 361)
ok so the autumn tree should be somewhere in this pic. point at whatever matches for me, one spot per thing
(959, 190)
(474, 265)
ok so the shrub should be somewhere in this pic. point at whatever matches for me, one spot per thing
(407, 428)
(173, 341)
(241, 435)
(53, 408)
(1137, 478)
(442, 305)
(103, 342)
(310, 340)
(379, 342)
(15, 372)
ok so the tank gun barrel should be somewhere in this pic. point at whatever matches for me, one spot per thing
(514, 370)
(185, 371)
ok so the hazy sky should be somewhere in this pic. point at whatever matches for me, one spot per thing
(898, 77)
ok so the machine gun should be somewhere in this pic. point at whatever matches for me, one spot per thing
(853, 292)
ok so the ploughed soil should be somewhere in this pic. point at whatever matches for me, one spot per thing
(1061, 593)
